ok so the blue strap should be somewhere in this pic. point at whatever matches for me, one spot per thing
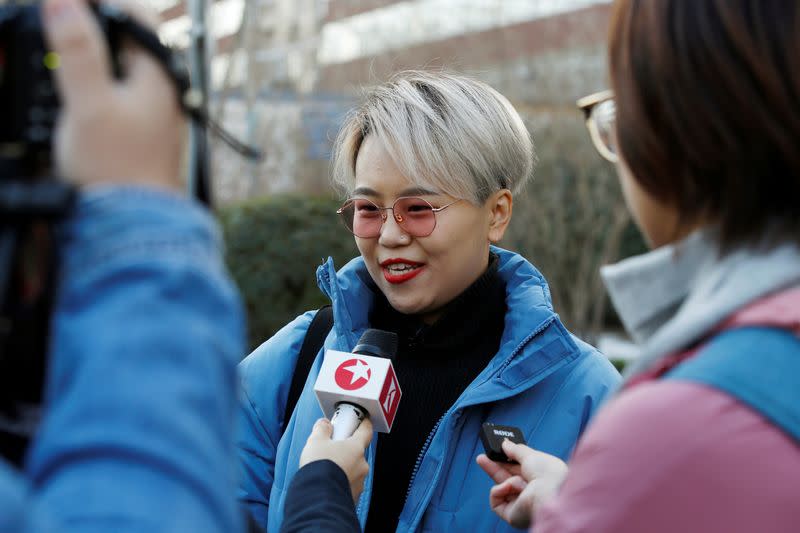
(759, 366)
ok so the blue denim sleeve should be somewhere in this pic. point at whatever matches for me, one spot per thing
(140, 396)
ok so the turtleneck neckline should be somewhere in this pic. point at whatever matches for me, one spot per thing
(434, 365)
(461, 319)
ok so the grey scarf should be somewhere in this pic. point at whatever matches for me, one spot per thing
(673, 296)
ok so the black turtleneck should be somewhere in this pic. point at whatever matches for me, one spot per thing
(434, 364)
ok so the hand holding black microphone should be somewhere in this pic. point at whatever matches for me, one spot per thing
(355, 389)
(361, 384)
(359, 392)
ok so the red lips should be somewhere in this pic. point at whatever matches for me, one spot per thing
(412, 269)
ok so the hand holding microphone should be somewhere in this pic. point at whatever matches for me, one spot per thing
(359, 392)
(348, 454)
(361, 384)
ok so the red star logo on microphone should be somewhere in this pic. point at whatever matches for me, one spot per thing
(353, 374)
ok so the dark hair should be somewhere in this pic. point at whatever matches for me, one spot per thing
(708, 110)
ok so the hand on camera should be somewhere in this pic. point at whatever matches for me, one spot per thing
(348, 454)
(111, 131)
(521, 489)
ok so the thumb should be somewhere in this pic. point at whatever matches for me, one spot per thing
(82, 68)
(517, 452)
(537, 464)
(321, 431)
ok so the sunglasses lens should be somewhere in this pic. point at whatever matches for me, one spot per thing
(362, 218)
(415, 216)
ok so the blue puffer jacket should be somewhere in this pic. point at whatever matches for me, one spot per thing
(543, 380)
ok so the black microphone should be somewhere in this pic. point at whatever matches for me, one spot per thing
(378, 343)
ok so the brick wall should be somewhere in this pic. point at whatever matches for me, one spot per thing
(541, 65)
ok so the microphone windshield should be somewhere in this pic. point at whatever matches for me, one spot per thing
(377, 342)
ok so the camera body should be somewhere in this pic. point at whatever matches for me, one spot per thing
(29, 101)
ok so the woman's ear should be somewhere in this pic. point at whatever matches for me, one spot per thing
(500, 205)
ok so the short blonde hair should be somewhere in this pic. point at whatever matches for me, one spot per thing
(445, 132)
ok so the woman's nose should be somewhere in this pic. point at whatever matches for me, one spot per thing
(391, 233)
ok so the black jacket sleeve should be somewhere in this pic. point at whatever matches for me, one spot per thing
(319, 499)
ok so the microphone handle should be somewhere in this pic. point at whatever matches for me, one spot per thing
(346, 419)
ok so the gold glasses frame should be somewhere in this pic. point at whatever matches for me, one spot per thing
(590, 106)
(397, 217)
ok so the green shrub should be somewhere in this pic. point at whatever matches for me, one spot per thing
(619, 364)
(274, 246)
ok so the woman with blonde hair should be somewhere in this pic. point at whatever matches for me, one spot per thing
(429, 163)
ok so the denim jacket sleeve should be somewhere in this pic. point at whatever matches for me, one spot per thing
(139, 403)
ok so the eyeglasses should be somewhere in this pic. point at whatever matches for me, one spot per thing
(414, 215)
(600, 112)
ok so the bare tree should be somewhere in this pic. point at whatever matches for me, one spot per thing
(571, 219)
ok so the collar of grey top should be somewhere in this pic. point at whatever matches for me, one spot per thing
(672, 297)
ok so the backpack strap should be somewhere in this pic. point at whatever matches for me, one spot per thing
(759, 366)
(319, 328)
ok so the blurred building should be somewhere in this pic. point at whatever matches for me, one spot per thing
(286, 71)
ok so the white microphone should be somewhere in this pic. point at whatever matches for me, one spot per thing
(351, 386)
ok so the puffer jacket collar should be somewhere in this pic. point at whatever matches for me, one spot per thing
(530, 310)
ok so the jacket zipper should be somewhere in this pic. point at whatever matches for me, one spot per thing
(422, 454)
(500, 369)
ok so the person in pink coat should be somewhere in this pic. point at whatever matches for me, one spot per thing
(703, 124)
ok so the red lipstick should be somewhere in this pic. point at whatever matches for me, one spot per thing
(395, 276)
